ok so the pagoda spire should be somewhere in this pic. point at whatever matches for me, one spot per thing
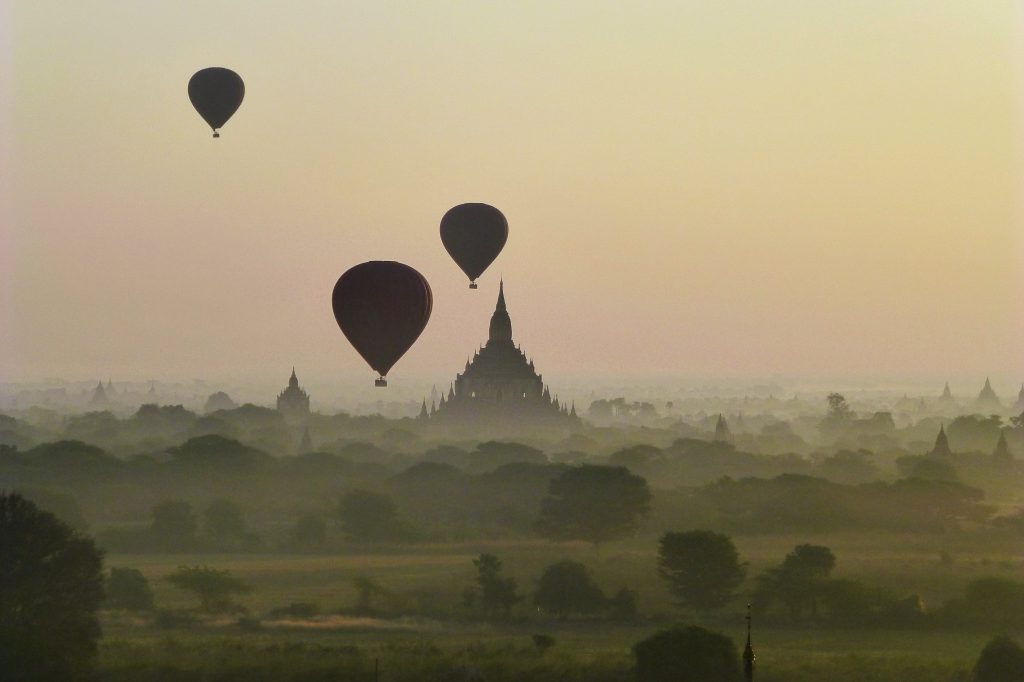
(941, 448)
(748, 654)
(501, 323)
(722, 433)
(1002, 452)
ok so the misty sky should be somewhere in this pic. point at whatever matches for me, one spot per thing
(715, 188)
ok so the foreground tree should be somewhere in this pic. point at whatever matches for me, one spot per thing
(690, 654)
(1002, 660)
(594, 503)
(497, 594)
(800, 581)
(51, 585)
(215, 588)
(128, 589)
(566, 588)
(702, 568)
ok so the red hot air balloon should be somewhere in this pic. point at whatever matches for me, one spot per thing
(382, 307)
(216, 93)
(474, 235)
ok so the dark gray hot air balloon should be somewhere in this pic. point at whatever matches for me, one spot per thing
(382, 307)
(216, 93)
(474, 235)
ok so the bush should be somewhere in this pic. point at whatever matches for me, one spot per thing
(690, 654)
(1002, 660)
(128, 589)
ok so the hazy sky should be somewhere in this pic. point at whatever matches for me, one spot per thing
(710, 188)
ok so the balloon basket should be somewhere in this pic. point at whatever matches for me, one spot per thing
(472, 285)
(380, 383)
(216, 134)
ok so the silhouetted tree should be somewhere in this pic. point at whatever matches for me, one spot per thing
(567, 588)
(174, 526)
(497, 594)
(366, 590)
(702, 568)
(309, 532)
(690, 654)
(223, 523)
(213, 587)
(369, 517)
(594, 503)
(799, 581)
(128, 589)
(1002, 660)
(622, 605)
(51, 585)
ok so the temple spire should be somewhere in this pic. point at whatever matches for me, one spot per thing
(941, 448)
(501, 323)
(748, 654)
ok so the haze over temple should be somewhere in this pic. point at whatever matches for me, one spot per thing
(499, 382)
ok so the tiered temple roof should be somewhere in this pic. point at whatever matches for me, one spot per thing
(500, 381)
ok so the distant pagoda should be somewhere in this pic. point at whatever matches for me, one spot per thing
(947, 396)
(499, 384)
(1020, 400)
(99, 397)
(1001, 454)
(722, 432)
(941, 448)
(987, 399)
(293, 402)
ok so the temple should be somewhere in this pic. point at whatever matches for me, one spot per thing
(987, 399)
(293, 402)
(499, 383)
(941, 448)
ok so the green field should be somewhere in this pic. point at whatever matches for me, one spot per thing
(442, 641)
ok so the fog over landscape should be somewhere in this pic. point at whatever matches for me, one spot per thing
(475, 342)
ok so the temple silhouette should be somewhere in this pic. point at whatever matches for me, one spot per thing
(293, 401)
(499, 385)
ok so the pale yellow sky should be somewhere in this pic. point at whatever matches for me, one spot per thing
(712, 188)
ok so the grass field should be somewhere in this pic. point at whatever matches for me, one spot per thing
(441, 642)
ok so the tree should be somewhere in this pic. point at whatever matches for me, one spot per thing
(51, 585)
(702, 568)
(223, 523)
(309, 532)
(497, 594)
(800, 580)
(366, 590)
(213, 587)
(174, 526)
(690, 654)
(369, 517)
(128, 589)
(594, 503)
(1002, 660)
(567, 588)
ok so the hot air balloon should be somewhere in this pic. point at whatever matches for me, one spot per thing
(216, 93)
(474, 235)
(382, 307)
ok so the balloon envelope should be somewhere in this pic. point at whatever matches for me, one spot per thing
(216, 93)
(474, 235)
(382, 307)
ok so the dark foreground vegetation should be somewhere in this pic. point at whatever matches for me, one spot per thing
(389, 551)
